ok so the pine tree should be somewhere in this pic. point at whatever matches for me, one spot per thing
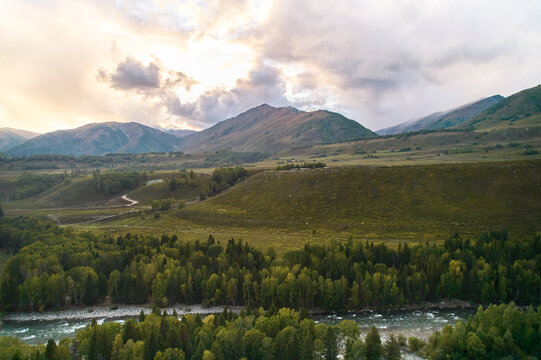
(373, 344)
(50, 349)
(331, 348)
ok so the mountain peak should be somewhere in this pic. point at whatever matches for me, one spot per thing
(269, 129)
(99, 139)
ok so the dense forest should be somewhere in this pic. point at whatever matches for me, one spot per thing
(111, 183)
(56, 266)
(499, 332)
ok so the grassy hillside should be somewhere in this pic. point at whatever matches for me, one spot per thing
(394, 202)
(522, 109)
(269, 129)
(444, 119)
(78, 192)
(184, 190)
(421, 148)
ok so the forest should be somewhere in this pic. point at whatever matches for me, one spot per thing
(54, 267)
(110, 183)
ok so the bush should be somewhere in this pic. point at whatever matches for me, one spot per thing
(415, 344)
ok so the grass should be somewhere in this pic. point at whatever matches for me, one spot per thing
(426, 148)
(401, 203)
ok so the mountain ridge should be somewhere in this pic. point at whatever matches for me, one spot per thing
(10, 137)
(521, 109)
(266, 128)
(99, 139)
(444, 119)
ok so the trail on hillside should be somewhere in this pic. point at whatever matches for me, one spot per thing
(131, 202)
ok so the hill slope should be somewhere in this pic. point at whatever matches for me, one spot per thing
(269, 129)
(522, 109)
(180, 133)
(99, 139)
(10, 138)
(393, 202)
(444, 119)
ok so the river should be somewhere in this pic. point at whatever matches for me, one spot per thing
(37, 328)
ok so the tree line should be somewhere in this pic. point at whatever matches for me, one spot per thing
(57, 266)
(111, 183)
(497, 332)
(223, 178)
(306, 165)
(250, 335)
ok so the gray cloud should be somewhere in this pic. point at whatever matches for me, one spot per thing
(387, 62)
(263, 85)
(133, 75)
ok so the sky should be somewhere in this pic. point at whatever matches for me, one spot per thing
(189, 64)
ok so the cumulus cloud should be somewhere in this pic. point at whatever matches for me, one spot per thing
(132, 74)
(262, 85)
(193, 63)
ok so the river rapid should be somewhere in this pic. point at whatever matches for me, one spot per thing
(37, 328)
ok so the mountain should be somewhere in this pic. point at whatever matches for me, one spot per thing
(10, 138)
(180, 133)
(269, 129)
(99, 139)
(444, 119)
(522, 109)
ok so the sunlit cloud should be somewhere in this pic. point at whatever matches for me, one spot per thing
(189, 64)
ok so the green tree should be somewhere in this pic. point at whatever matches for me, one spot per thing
(331, 347)
(391, 349)
(50, 350)
(373, 350)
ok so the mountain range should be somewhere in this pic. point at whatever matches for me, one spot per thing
(263, 129)
(267, 129)
(444, 119)
(99, 139)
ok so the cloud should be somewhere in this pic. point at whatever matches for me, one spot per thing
(194, 62)
(262, 85)
(385, 62)
(132, 74)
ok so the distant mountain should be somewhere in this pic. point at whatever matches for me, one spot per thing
(10, 138)
(522, 109)
(269, 129)
(180, 133)
(444, 119)
(99, 139)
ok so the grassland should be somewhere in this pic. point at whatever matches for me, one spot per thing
(400, 203)
(409, 187)
(420, 149)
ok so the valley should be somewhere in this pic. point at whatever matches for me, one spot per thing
(334, 224)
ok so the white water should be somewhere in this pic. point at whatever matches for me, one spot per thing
(37, 328)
